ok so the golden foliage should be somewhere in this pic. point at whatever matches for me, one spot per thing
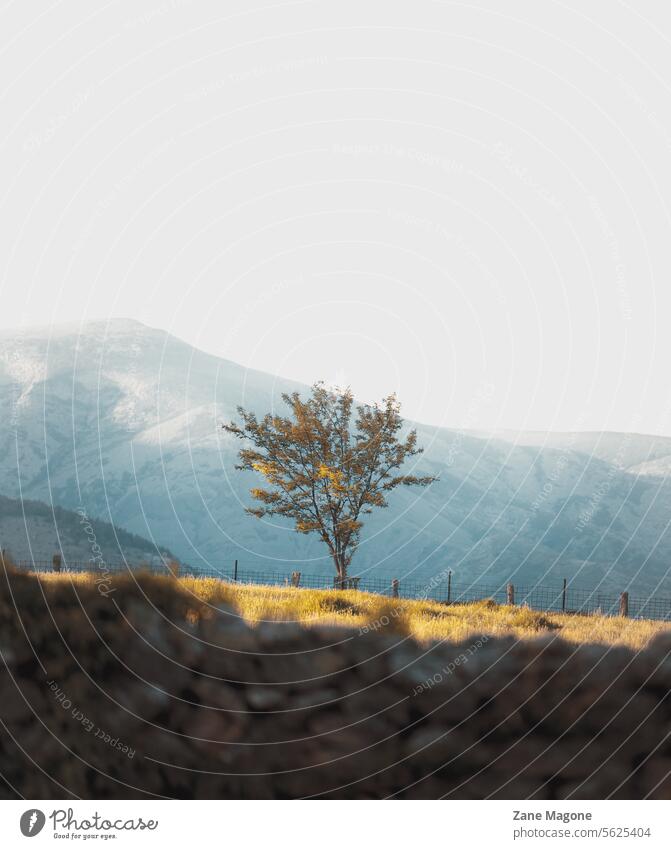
(327, 466)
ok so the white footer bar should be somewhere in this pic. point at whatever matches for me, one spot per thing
(334, 824)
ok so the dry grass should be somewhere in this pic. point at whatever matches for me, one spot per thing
(424, 620)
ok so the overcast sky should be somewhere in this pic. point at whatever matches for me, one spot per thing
(465, 205)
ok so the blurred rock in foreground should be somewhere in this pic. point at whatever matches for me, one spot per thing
(134, 689)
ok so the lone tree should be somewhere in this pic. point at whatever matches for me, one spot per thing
(322, 473)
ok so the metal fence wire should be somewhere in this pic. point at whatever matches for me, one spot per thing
(568, 599)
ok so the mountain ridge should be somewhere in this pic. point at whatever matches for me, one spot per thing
(128, 425)
(34, 531)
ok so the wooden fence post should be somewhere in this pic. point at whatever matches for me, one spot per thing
(563, 598)
(394, 588)
(56, 562)
(449, 586)
(510, 594)
(235, 571)
(624, 604)
(295, 579)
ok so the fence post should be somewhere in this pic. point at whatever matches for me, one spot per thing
(563, 598)
(235, 571)
(295, 579)
(510, 594)
(449, 586)
(394, 588)
(56, 562)
(624, 604)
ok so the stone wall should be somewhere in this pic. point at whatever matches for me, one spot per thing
(144, 691)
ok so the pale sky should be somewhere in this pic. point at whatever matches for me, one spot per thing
(468, 206)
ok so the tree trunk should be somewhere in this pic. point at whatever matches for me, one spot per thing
(341, 571)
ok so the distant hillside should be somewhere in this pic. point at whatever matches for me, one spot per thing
(125, 420)
(32, 530)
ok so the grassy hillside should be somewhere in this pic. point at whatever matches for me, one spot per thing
(424, 620)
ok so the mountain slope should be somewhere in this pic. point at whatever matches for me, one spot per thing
(34, 531)
(630, 451)
(124, 421)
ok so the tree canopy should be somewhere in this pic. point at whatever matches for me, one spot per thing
(321, 470)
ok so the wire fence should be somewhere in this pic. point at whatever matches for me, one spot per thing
(566, 599)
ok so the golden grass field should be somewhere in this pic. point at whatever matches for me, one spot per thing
(423, 620)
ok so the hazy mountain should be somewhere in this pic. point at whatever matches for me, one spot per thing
(35, 531)
(628, 450)
(124, 421)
